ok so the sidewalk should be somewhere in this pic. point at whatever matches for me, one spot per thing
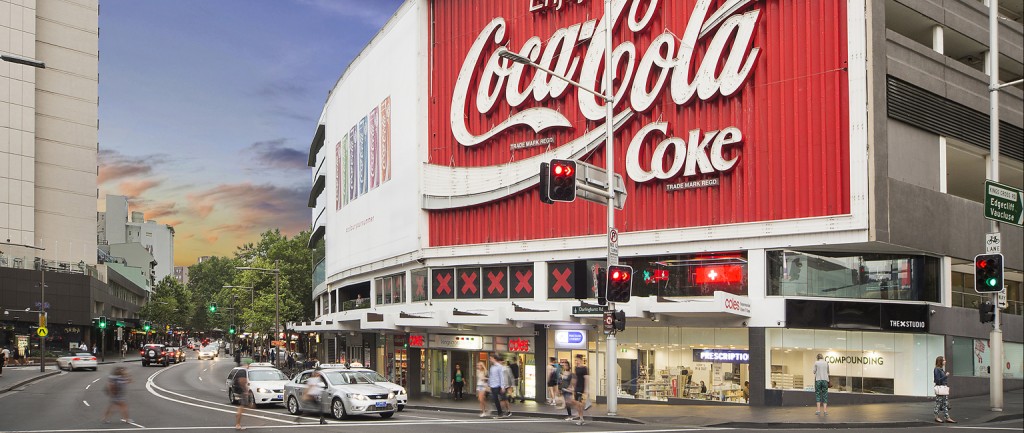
(967, 410)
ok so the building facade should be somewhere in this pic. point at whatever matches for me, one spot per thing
(799, 180)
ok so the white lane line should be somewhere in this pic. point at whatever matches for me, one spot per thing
(97, 380)
(204, 370)
(314, 424)
(664, 430)
(86, 403)
(200, 377)
(136, 425)
(87, 386)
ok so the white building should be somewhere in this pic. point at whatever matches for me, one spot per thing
(156, 239)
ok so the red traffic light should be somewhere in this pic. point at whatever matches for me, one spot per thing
(619, 275)
(561, 169)
(982, 264)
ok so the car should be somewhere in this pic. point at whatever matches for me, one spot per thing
(266, 383)
(400, 394)
(175, 354)
(208, 352)
(75, 360)
(154, 354)
(349, 393)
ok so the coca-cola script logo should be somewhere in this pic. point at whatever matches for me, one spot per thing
(668, 65)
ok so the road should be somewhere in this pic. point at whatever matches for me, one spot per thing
(192, 396)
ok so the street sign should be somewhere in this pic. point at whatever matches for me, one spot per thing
(277, 343)
(42, 320)
(993, 243)
(120, 333)
(613, 246)
(585, 310)
(1001, 300)
(41, 331)
(609, 322)
(1004, 203)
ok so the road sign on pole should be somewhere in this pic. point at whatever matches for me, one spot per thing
(1004, 203)
(41, 331)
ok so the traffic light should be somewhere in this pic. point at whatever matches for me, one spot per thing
(545, 182)
(102, 322)
(232, 330)
(602, 286)
(987, 312)
(988, 273)
(213, 307)
(562, 180)
(147, 326)
(619, 320)
(620, 283)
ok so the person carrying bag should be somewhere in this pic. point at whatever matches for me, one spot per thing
(942, 391)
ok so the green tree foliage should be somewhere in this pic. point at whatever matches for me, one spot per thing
(169, 303)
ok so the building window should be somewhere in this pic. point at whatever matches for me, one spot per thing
(689, 275)
(851, 275)
(420, 285)
(390, 289)
(860, 362)
(972, 357)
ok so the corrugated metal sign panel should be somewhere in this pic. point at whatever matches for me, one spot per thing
(792, 110)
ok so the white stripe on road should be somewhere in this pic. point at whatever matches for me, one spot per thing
(97, 380)
(200, 377)
(664, 430)
(134, 424)
(87, 386)
(86, 403)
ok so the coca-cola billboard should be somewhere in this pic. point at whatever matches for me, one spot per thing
(726, 111)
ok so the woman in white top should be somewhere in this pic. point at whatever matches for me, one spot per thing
(481, 388)
(821, 385)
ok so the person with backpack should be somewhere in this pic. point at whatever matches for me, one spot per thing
(116, 389)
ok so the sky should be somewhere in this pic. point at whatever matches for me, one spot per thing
(207, 109)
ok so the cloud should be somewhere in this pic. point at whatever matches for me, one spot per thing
(135, 188)
(252, 208)
(274, 154)
(160, 210)
(284, 88)
(115, 165)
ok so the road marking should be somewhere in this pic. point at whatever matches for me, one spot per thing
(204, 370)
(87, 386)
(988, 428)
(200, 377)
(664, 430)
(391, 422)
(97, 380)
(86, 403)
(134, 424)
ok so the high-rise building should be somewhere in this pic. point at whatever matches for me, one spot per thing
(156, 239)
(181, 274)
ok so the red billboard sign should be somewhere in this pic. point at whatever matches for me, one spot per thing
(725, 111)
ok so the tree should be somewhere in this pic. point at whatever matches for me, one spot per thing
(206, 280)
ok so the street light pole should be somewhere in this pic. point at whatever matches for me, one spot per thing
(608, 96)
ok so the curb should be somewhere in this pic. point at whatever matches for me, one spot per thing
(28, 381)
(601, 418)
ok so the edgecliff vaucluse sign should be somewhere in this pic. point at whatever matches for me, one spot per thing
(711, 98)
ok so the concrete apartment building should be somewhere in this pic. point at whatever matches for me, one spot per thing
(118, 229)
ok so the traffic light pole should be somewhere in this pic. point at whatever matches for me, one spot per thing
(996, 336)
(611, 372)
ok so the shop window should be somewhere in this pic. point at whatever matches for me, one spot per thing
(972, 357)
(390, 289)
(858, 276)
(859, 362)
(420, 285)
(689, 275)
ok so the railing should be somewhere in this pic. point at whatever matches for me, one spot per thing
(355, 304)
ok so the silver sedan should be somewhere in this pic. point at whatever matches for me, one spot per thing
(348, 393)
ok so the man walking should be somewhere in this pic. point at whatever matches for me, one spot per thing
(497, 383)
(581, 372)
(4, 354)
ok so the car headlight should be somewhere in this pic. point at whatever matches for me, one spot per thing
(357, 397)
(391, 395)
(401, 391)
(262, 390)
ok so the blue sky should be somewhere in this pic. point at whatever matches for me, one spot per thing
(207, 109)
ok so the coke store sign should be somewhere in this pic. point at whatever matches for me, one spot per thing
(699, 91)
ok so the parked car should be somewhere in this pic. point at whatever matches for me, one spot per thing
(154, 354)
(74, 361)
(266, 383)
(348, 393)
(400, 394)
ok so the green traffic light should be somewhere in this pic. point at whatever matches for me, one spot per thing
(213, 308)
(991, 281)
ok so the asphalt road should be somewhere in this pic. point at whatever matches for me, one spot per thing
(192, 397)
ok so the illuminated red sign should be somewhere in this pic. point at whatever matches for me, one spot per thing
(415, 341)
(518, 345)
(720, 274)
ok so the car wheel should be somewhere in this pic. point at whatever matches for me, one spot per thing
(293, 406)
(338, 409)
(387, 415)
(401, 407)
(231, 397)
(145, 364)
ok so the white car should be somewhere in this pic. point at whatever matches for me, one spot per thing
(400, 394)
(266, 383)
(208, 352)
(348, 393)
(74, 361)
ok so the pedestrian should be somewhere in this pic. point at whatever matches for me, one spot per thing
(458, 382)
(582, 373)
(746, 391)
(942, 391)
(497, 383)
(124, 349)
(273, 356)
(821, 385)
(554, 374)
(240, 387)
(509, 388)
(4, 353)
(567, 386)
(291, 361)
(83, 347)
(238, 358)
(514, 367)
(314, 393)
(481, 388)
(116, 389)
(94, 351)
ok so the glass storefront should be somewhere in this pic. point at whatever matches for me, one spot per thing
(662, 363)
(851, 275)
(863, 362)
(972, 357)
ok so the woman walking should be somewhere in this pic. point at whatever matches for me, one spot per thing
(458, 382)
(821, 385)
(567, 384)
(116, 390)
(942, 391)
(481, 388)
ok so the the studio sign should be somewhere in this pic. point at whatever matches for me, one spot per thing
(668, 65)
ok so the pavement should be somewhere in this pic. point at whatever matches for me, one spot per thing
(966, 410)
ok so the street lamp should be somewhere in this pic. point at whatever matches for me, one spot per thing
(277, 298)
(22, 61)
(252, 291)
(609, 102)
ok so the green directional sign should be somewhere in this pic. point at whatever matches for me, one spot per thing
(1004, 203)
(582, 310)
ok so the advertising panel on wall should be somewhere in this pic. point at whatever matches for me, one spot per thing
(372, 119)
(725, 112)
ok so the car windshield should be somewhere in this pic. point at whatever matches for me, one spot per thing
(83, 354)
(345, 377)
(373, 376)
(266, 375)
